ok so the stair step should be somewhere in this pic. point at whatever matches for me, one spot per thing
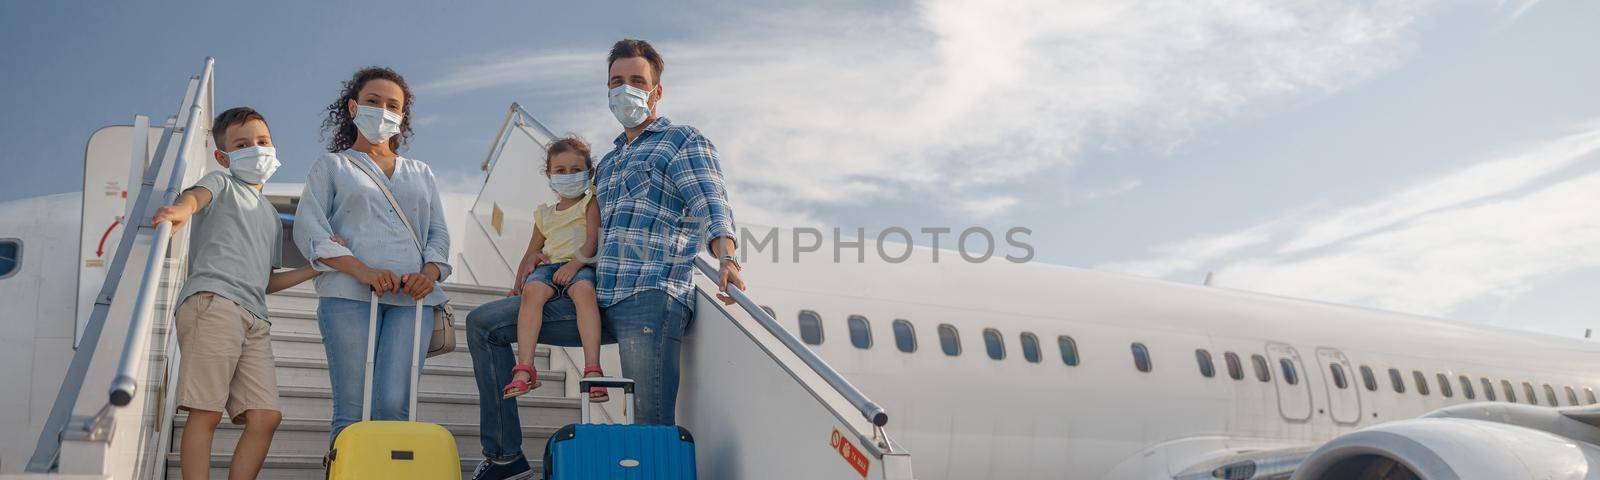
(436, 407)
(313, 372)
(305, 321)
(461, 298)
(306, 436)
(309, 345)
(300, 467)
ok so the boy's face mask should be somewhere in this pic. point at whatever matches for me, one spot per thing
(377, 124)
(253, 165)
(570, 185)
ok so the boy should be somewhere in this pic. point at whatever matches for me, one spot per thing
(226, 354)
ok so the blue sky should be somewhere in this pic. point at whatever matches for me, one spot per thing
(1434, 157)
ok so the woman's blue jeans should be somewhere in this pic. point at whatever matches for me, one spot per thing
(344, 337)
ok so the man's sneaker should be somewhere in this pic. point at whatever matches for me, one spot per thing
(515, 470)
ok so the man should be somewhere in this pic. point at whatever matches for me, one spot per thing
(662, 200)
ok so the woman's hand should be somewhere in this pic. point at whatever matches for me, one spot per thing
(420, 284)
(568, 270)
(526, 267)
(381, 281)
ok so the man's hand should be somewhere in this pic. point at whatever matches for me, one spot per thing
(177, 213)
(525, 268)
(381, 281)
(728, 275)
(568, 270)
(420, 284)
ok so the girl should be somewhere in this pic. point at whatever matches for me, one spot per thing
(565, 237)
(369, 125)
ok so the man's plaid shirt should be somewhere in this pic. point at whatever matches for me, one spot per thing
(662, 200)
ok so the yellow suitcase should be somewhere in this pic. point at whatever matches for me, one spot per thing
(389, 449)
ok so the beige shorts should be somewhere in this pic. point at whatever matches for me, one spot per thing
(226, 358)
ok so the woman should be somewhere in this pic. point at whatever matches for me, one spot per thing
(368, 126)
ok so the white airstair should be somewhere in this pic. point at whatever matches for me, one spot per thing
(760, 404)
(448, 395)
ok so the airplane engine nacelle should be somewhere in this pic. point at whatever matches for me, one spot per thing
(1449, 446)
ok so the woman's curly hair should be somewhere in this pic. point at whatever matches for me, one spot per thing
(340, 130)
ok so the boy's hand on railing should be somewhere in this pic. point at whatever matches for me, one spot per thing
(176, 213)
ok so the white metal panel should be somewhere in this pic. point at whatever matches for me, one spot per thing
(106, 166)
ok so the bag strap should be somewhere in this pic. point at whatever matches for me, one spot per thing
(392, 202)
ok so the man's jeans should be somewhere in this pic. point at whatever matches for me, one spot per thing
(648, 328)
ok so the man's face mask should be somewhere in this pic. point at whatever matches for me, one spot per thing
(630, 105)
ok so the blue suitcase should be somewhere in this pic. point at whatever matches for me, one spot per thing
(626, 451)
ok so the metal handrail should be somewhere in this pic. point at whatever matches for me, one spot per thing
(869, 409)
(124, 386)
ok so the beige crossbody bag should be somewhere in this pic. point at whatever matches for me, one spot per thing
(444, 317)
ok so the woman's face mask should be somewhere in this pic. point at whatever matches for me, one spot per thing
(253, 165)
(570, 185)
(377, 124)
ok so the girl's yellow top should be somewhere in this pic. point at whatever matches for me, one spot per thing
(564, 230)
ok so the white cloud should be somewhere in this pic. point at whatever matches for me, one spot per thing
(989, 206)
(954, 96)
(1492, 230)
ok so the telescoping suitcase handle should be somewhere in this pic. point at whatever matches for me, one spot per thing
(372, 355)
(626, 384)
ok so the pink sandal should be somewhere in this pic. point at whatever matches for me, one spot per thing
(518, 387)
(596, 394)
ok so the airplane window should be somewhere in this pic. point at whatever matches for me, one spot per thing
(1141, 357)
(1289, 374)
(905, 336)
(1511, 393)
(1396, 380)
(860, 331)
(810, 327)
(1488, 389)
(1572, 396)
(1338, 376)
(1466, 388)
(769, 311)
(1588, 393)
(10, 257)
(993, 343)
(1369, 379)
(1444, 386)
(1422, 382)
(1030, 347)
(1262, 372)
(1550, 396)
(1235, 371)
(949, 340)
(1069, 350)
(1207, 369)
(1527, 388)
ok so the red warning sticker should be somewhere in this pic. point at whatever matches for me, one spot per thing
(850, 453)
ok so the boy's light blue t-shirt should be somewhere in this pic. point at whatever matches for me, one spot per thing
(234, 243)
